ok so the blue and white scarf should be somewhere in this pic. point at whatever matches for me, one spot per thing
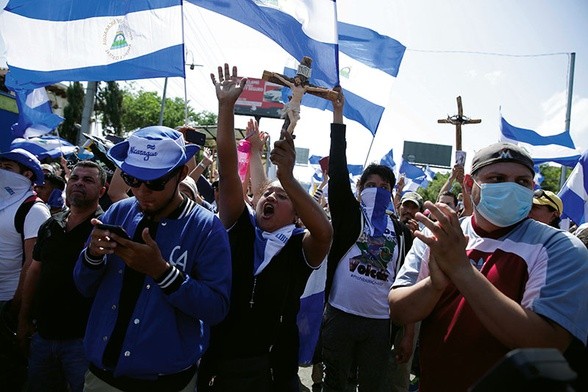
(14, 187)
(373, 205)
(267, 245)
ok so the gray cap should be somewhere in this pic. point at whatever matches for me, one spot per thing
(501, 152)
(413, 197)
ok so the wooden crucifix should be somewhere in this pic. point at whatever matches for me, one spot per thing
(298, 85)
(458, 120)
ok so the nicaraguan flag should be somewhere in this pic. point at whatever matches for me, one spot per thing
(388, 160)
(339, 49)
(414, 177)
(310, 315)
(35, 116)
(48, 41)
(301, 28)
(558, 148)
(46, 146)
(574, 193)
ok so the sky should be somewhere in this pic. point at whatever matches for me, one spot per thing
(497, 55)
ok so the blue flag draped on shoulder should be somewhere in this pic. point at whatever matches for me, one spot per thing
(574, 193)
(35, 116)
(357, 54)
(558, 148)
(91, 40)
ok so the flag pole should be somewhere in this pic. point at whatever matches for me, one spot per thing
(369, 150)
(562, 178)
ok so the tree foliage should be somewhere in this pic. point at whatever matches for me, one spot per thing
(72, 112)
(109, 106)
(142, 109)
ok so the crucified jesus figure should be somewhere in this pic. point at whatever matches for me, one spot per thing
(298, 88)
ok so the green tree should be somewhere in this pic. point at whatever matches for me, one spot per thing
(204, 118)
(142, 108)
(72, 112)
(109, 106)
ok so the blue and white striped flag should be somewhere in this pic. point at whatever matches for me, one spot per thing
(558, 148)
(49, 41)
(35, 116)
(338, 48)
(574, 193)
(414, 176)
(310, 315)
(388, 160)
(46, 146)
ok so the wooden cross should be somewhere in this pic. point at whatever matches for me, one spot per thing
(299, 86)
(458, 120)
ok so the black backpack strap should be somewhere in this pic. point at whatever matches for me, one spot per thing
(21, 214)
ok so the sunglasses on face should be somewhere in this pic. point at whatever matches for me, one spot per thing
(154, 185)
(539, 193)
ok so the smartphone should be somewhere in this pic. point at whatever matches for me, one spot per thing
(116, 229)
(195, 137)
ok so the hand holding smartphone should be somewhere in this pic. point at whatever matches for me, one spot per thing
(116, 229)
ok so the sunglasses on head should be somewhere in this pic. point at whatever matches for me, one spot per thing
(539, 193)
(154, 185)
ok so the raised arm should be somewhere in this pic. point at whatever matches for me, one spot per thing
(283, 80)
(256, 170)
(317, 240)
(228, 89)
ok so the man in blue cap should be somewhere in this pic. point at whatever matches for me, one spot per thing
(157, 292)
(20, 219)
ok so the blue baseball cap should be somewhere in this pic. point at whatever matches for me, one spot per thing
(28, 160)
(152, 152)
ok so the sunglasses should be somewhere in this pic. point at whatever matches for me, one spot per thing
(539, 193)
(154, 185)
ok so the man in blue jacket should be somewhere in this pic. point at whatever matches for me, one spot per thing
(157, 292)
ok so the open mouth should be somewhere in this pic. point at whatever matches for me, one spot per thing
(268, 210)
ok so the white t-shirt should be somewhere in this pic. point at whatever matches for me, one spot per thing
(11, 246)
(364, 275)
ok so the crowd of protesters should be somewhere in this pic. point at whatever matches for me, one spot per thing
(120, 275)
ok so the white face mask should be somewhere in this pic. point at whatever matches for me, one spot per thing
(13, 187)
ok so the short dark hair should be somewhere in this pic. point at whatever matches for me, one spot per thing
(383, 171)
(92, 164)
(55, 181)
(450, 194)
(214, 185)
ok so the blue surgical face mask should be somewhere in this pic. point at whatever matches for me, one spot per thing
(505, 203)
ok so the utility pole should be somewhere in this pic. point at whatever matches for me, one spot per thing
(562, 178)
(87, 112)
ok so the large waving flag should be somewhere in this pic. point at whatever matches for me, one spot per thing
(301, 28)
(574, 193)
(50, 41)
(310, 28)
(558, 148)
(35, 116)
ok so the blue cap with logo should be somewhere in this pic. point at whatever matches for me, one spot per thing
(152, 152)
